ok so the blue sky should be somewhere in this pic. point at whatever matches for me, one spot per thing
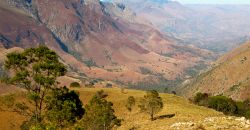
(214, 1)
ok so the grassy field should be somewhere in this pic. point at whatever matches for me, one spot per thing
(183, 110)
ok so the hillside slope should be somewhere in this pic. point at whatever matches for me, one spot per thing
(186, 115)
(230, 76)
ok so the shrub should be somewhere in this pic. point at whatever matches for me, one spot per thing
(201, 99)
(247, 104)
(173, 92)
(109, 85)
(166, 90)
(223, 104)
(130, 103)
(247, 114)
(75, 85)
(241, 108)
(146, 71)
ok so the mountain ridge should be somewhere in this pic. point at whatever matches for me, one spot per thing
(94, 40)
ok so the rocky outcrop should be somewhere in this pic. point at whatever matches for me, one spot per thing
(215, 123)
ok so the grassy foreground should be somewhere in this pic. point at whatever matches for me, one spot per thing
(183, 110)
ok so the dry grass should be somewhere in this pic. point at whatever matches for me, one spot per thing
(10, 120)
(183, 110)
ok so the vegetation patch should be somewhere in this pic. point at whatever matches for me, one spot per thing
(75, 85)
(234, 87)
(146, 71)
(90, 63)
(160, 85)
(223, 104)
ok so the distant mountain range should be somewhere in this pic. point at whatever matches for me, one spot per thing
(218, 28)
(100, 40)
(142, 44)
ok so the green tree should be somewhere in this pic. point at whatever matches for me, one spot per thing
(36, 70)
(151, 103)
(64, 107)
(130, 103)
(99, 114)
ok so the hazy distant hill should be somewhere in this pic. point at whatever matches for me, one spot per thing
(215, 27)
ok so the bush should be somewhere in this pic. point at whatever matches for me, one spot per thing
(109, 85)
(247, 114)
(146, 71)
(130, 103)
(247, 104)
(201, 99)
(241, 108)
(75, 85)
(223, 104)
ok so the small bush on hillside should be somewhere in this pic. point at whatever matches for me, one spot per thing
(166, 90)
(247, 104)
(146, 71)
(247, 114)
(241, 108)
(130, 103)
(223, 104)
(101, 94)
(109, 85)
(174, 92)
(201, 99)
(75, 85)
